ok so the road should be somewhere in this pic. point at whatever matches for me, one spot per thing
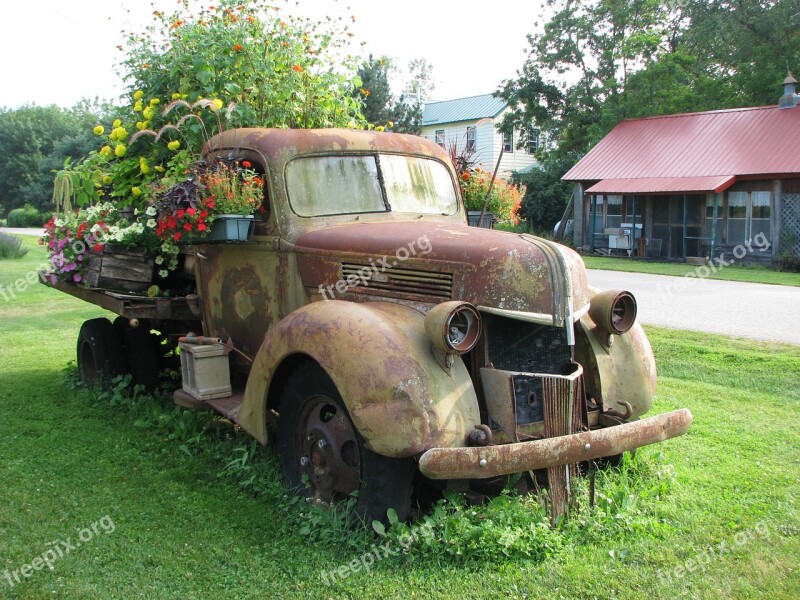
(750, 310)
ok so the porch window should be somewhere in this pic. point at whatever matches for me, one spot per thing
(614, 214)
(737, 217)
(761, 215)
(471, 144)
(440, 137)
(508, 142)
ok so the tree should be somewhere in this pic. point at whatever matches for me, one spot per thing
(546, 195)
(33, 141)
(375, 93)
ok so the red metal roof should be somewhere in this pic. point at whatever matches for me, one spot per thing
(706, 147)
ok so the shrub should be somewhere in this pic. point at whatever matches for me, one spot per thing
(11, 246)
(27, 216)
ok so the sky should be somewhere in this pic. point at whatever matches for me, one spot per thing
(57, 52)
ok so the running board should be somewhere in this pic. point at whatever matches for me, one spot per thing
(227, 407)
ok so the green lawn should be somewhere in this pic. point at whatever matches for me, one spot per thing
(181, 509)
(754, 274)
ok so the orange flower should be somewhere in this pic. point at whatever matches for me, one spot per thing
(365, 92)
(238, 47)
(177, 23)
(297, 68)
(466, 176)
(247, 164)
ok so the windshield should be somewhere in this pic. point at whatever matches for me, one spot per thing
(340, 185)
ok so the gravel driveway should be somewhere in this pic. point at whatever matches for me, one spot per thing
(751, 310)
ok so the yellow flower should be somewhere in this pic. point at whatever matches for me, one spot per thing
(154, 101)
(118, 134)
(159, 168)
(389, 124)
(176, 96)
(136, 191)
(146, 124)
(174, 145)
(99, 130)
(143, 166)
(217, 102)
(105, 150)
(138, 94)
(117, 123)
(138, 106)
(149, 113)
(139, 125)
(106, 179)
(379, 128)
(120, 150)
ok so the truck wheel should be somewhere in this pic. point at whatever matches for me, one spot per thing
(324, 458)
(141, 352)
(101, 356)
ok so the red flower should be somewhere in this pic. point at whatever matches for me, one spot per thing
(180, 213)
(247, 164)
(201, 227)
(203, 214)
(97, 247)
(187, 226)
(190, 211)
(176, 236)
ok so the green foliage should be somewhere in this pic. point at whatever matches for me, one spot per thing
(375, 93)
(501, 198)
(275, 70)
(546, 195)
(11, 246)
(26, 216)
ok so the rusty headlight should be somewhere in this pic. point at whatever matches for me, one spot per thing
(613, 310)
(454, 327)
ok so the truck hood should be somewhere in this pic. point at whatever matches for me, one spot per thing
(504, 273)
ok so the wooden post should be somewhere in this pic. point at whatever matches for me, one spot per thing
(685, 209)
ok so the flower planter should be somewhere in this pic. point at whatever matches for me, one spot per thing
(230, 228)
(120, 268)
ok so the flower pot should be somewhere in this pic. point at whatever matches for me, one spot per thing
(230, 228)
(120, 268)
(473, 216)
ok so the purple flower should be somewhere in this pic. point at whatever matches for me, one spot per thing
(76, 278)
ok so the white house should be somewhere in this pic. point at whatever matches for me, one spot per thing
(472, 123)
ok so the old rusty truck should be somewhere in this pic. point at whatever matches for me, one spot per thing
(382, 339)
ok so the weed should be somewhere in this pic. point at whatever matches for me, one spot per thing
(11, 246)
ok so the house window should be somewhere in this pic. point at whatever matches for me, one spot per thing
(533, 140)
(737, 217)
(471, 139)
(761, 215)
(440, 137)
(508, 142)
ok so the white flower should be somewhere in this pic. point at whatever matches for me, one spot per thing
(159, 259)
(151, 211)
(59, 222)
(151, 223)
(163, 273)
(166, 247)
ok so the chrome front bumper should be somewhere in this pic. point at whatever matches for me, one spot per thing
(492, 461)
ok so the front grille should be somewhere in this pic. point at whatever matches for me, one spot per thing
(528, 347)
(415, 282)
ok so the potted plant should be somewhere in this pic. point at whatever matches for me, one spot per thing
(214, 203)
(501, 199)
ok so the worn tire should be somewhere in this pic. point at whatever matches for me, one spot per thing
(312, 411)
(101, 356)
(141, 353)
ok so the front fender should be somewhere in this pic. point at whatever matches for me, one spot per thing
(399, 398)
(623, 371)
